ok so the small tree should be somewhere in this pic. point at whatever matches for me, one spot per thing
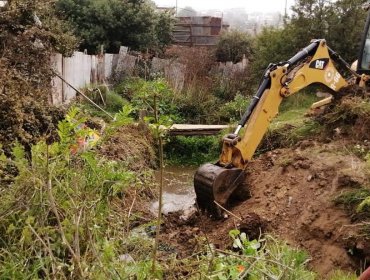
(233, 45)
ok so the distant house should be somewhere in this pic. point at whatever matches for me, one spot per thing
(198, 30)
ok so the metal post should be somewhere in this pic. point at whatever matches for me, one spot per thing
(286, 6)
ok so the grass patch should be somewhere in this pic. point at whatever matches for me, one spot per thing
(302, 100)
(357, 202)
(341, 275)
(61, 218)
(113, 103)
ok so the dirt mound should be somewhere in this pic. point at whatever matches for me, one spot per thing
(132, 144)
(295, 194)
(348, 116)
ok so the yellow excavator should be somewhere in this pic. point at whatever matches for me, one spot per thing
(316, 63)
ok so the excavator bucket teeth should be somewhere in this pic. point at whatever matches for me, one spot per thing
(215, 183)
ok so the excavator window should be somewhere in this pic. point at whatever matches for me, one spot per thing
(363, 66)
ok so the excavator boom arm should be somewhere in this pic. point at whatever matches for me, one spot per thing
(215, 183)
(279, 81)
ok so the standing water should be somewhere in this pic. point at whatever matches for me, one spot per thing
(178, 190)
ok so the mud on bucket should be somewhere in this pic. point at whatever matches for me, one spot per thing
(215, 183)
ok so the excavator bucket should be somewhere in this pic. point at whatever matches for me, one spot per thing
(214, 183)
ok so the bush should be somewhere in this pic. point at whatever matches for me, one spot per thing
(25, 72)
(62, 216)
(141, 94)
(192, 150)
(233, 45)
(234, 110)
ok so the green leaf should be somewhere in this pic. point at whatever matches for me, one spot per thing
(10, 229)
(234, 233)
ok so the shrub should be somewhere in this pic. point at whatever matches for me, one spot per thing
(62, 216)
(141, 95)
(192, 150)
(233, 45)
(114, 23)
(25, 72)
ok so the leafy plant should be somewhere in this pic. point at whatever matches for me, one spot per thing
(233, 111)
(266, 258)
(233, 45)
(61, 218)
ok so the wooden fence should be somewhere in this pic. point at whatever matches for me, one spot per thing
(81, 70)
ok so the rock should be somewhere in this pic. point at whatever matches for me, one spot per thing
(126, 258)
(304, 165)
(310, 178)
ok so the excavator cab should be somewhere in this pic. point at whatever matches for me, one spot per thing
(363, 65)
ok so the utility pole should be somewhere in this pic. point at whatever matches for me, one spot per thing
(176, 7)
(286, 8)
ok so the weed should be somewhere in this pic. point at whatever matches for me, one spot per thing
(356, 201)
(341, 275)
(259, 259)
(62, 216)
(110, 101)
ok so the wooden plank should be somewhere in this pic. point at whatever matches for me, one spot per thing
(196, 130)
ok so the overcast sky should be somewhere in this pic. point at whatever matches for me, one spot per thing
(248, 5)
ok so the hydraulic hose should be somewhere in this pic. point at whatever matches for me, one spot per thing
(307, 51)
(263, 86)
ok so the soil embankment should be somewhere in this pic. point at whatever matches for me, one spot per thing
(293, 193)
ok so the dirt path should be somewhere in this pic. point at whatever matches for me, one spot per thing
(292, 196)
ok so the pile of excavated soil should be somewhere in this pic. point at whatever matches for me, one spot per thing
(132, 144)
(293, 192)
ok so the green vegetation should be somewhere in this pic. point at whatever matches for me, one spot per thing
(25, 74)
(114, 23)
(233, 45)
(192, 150)
(341, 275)
(258, 259)
(71, 211)
(140, 93)
(353, 198)
(62, 216)
(311, 19)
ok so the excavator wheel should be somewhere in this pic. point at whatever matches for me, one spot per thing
(215, 183)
